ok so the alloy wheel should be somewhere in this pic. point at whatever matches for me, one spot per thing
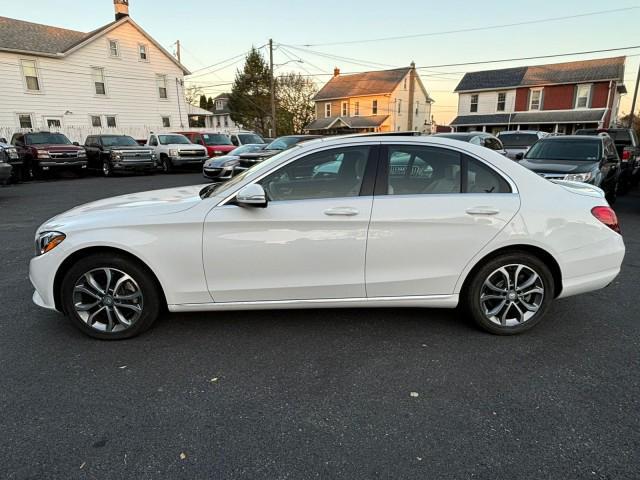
(106, 168)
(511, 295)
(108, 300)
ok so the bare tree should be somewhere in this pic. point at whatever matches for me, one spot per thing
(192, 94)
(295, 102)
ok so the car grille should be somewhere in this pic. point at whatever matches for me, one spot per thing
(62, 155)
(191, 153)
(135, 155)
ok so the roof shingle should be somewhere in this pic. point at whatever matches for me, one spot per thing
(360, 84)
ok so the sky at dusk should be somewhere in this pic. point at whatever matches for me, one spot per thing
(213, 32)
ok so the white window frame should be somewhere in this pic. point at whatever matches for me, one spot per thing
(327, 110)
(104, 81)
(504, 102)
(146, 52)
(588, 86)
(38, 76)
(374, 107)
(99, 117)
(219, 105)
(472, 103)
(46, 118)
(106, 120)
(531, 92)
(166, 86)
(30, 115)
(118, 52)
(356, 109)
(345, 109)
(162, 117)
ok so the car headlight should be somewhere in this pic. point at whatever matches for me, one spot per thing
(82, 153)
(43, 153)
(13, 153)
(173, 152)
(578, 177)
(47, 241)
(218, 152)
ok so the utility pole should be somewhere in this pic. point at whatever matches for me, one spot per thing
(272, 88)
(178, 51)
(633, 102)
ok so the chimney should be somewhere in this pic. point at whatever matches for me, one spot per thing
(122, 8)
(336, 72)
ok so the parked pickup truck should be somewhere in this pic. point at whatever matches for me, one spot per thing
(173, 150)
(118, 153)
(39, 152)
(8, 154)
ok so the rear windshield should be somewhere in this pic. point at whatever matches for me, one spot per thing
(515, 140)
(566, 149)
(120, 141)
(216, 139)
(47, 138)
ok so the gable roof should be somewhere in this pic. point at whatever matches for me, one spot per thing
(558, 73)
(361, 84)
(44, 40)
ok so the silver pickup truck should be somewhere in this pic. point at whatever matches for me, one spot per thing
(174, 150)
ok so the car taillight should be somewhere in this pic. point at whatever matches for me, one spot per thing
(626, 155)
(607, 216)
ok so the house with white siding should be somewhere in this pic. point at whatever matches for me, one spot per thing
(114, 77)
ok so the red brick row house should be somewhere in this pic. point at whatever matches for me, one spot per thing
(561, 97)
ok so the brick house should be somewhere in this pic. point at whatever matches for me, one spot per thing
(561, 97)
(378, 101)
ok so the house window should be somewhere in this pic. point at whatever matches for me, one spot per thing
(142, 50)
(166, 122)
(405, 83)
(161, 80)
(356, 109)
(502, 101)
(111, 121)
(536, 99)
(417, 108)
(399, 106)
(30, 71)
(114, 48)
(345, 109)
(218, 122)
(473, 107)
(98, 80)
(582, 96)
(226, 121)
(96, 121)
(25, 120)
(219, 104)
(374, 107)
(327, 110)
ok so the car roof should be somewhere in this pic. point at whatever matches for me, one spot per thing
(516, 132)
(559, 138)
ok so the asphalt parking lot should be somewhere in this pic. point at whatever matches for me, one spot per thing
(312, 394)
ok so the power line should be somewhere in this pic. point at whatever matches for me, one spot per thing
(471, 29)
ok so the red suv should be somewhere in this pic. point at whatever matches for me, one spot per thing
(217, 144)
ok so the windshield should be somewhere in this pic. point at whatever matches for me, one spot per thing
(566, 149)
(47, 138)
(216, 139)
(283, 143)
(246, 149)
(518, 140)
(120, 141)
(250, 138)
(173, 139)
(221, 188)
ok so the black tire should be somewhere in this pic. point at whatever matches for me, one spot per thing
(28, 171)
(107, 170)
(167, 166)
(151, 299)
(471, 295)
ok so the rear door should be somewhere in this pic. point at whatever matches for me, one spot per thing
(434, 209)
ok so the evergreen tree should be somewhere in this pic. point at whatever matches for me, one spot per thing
(209, 104)
(203, 101)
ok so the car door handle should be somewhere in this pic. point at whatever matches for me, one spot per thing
(341, 211)
(482, 211)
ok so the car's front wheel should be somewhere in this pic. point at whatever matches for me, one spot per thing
(510, 293)
(107, 170)
(110, 297)
(167, 166)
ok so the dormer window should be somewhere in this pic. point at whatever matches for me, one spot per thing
(114, 48)
(219, 104)
(327, 110)
(582, 96)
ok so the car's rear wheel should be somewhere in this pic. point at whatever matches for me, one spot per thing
(110, 297)
(510, 293)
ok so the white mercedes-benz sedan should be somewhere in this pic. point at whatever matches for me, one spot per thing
(357, 221)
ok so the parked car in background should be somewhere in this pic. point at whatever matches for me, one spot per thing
(587, 159)
(503, 243)
(248, 160)
(8, 154)
(174, 150)
(217, 144)
(628, 147)
(519, 141)
(223, 168)
(40, 152)
(245, 138)
(476, 138)
(118, 153)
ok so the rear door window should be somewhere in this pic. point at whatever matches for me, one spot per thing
(416, 170)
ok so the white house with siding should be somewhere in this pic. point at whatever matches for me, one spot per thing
(116, 77)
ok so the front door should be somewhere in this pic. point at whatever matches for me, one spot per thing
(434, 210)
(308, 243)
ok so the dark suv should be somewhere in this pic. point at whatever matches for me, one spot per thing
(118, 153)
(39, 152)
(628, 148)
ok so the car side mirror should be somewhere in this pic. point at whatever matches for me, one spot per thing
(3, 140)
(252, 196)
(519, 156)
(76, 144)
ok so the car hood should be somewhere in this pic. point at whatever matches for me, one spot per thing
(222, 148)
(219, 161)
(559, 166)
(260, 154)
(57, 147)
(185, 146)
(126, 208)
(127, 147)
